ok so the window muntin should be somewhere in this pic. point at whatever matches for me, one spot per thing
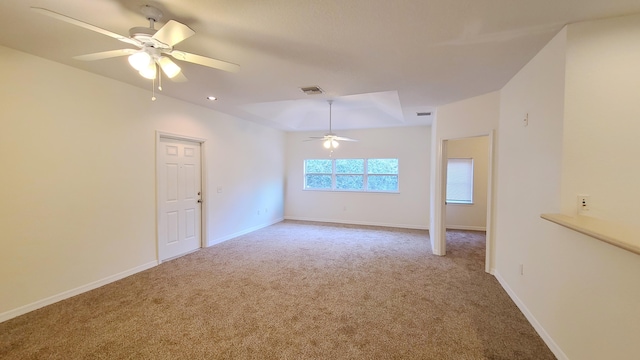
(459, 181)
(369, 175)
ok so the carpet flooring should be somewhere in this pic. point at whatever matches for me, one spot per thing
(293, 290)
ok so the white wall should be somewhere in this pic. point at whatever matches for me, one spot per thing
(78, 180)
(409, 208)
(602, 119)
(528, 184)
(581, 294)
(471, 216)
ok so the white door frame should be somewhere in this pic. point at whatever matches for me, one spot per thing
(439, 242)
(203, 185)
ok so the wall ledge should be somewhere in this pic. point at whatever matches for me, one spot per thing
(603, 230)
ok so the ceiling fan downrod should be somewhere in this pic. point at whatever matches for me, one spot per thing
(330, 102)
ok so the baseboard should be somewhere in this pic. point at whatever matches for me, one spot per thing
(243, 232)
(465, 227)
(73, 292)
(366, 223)
(534, 322)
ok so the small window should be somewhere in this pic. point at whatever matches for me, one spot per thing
(460, 181)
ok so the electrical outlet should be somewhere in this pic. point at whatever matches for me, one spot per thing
(521, 269)
(525, 120)
(584, 203)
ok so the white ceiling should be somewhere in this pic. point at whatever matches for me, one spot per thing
(380, 61)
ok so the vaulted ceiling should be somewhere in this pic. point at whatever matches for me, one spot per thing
(381, 62)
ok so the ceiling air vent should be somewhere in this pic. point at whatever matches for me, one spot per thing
(426, 113)
(311, 90)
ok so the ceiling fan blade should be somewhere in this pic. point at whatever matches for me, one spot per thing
(314, 138)
(173, 32)
(205, 61)
(83, 24)
(344, 138)
(105, 55)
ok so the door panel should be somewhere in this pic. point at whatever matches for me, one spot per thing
(179, 189)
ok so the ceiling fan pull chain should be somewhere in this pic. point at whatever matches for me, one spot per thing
(153, 90)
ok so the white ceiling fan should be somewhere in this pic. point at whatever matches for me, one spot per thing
(154, 47)
(330, 140)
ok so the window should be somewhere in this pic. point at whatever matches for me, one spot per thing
(349, 174)
(382, 174)
(318, 174)
(460, 181)
(371, 175)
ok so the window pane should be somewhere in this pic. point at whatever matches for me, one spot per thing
(382, 183)
(317, 182)
(322, 166)
(460, 180)
(382, 166)
(349, 166)
(349, 182)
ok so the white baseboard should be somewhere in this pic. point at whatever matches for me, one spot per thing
(367, 223)
(465, 227)
(243, 232)
(534, 322)
(73, 292)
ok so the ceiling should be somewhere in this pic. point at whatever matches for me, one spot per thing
(380, 61)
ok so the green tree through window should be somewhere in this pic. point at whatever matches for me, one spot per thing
(382, 174)
(374, 175)
(318, 174)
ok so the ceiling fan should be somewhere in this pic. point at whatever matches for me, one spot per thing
(154, 47)
(330, 140)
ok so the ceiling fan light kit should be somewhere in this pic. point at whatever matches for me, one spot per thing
(155, 47)
(148, 72)
(330, 144)
(140, 60)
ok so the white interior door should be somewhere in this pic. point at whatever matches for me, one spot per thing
(179, 197)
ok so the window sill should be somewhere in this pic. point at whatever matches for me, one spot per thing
(352, 191)
(607, 231)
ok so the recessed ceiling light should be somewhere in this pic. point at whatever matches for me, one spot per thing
(212, 98)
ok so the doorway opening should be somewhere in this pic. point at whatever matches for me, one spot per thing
(474, 215)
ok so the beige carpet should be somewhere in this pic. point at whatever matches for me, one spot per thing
(294, 290)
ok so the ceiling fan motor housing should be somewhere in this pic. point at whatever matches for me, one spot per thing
(145, 36)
